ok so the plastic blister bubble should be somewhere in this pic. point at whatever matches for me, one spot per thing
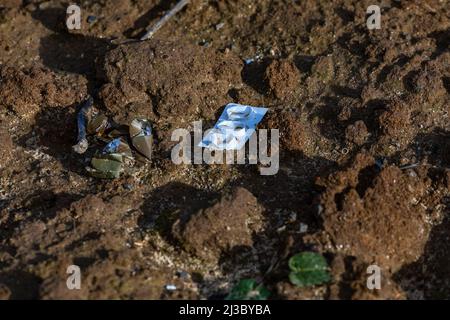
(234, 127)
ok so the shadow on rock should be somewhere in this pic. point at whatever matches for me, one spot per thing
(71, 53)
(291, 189)
(144, 21)
(253, 74)
(435, 146)
(41, 206)
(429, 276)
(19, 285)
(168, 203)
(54, 133)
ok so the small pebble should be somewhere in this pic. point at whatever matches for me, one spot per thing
(31, 7)
(303, 227)
(44, 5)
(91, 19)
(171, 287)
(204, 43)
(183, 274)
(128, 186)
(319, 209)
(219, 26)
(292, 217)
(412, 173)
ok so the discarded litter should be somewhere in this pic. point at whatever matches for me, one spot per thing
(118, 146)
(141, 136)
(107, 167)
(90, 121)
(118, 131)
(116, 155)
(97, 122)
(112, 147)
(234, 127)
(82, 143)
(111, 161)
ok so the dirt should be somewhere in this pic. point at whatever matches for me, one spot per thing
(229, 224)
(282, 78)
(364, 129)
(178, 83)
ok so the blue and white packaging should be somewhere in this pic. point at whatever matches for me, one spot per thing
(234, 127)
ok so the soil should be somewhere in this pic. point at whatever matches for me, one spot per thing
(364, 148)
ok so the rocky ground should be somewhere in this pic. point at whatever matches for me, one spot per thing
(364, 148)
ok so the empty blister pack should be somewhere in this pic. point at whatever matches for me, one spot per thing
(234, 127)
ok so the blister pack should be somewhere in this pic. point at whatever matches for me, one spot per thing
(234, 127)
